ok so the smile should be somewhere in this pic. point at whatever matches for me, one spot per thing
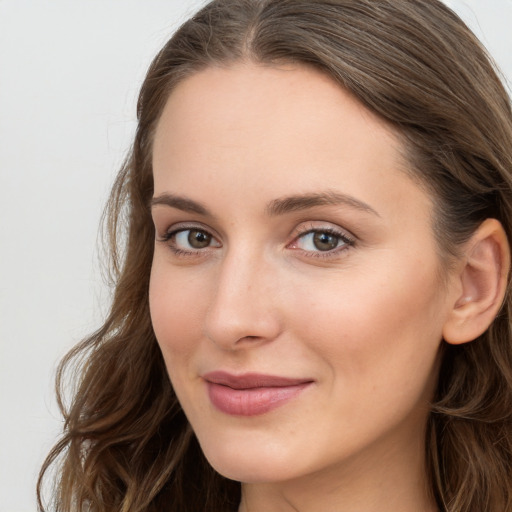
(251, 394)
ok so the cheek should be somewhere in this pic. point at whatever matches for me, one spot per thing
(378, 348)
(379, 324)
(177, 303)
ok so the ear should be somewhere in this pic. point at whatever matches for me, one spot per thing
(481, 284)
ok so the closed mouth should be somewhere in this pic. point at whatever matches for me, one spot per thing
(251, 394)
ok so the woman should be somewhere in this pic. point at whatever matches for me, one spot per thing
(311, 307)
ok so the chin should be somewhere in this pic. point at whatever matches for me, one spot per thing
(251, 465)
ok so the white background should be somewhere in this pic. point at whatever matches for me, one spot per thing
(69, 77)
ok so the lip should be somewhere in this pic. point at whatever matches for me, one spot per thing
(251, 394)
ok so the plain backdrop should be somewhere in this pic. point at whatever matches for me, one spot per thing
(69, 77)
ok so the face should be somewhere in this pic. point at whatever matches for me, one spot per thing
(295, 290)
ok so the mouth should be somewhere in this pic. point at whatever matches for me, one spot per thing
(251, 394)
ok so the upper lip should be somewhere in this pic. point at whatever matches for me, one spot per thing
(252, 380)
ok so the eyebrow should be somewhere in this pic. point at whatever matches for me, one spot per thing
(305, 201)
(180, 203)
(276, 207)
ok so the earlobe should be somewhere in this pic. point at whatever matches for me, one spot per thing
(482, 284)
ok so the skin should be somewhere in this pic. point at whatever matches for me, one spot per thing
(362, 321)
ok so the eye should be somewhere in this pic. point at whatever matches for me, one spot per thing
(183, 241)
(192, 239)
(322, 241)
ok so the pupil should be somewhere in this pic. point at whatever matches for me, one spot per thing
(198, 239)
(325, 241)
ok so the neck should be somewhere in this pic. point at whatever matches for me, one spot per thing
(389, 479)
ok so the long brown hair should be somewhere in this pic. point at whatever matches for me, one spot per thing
(127, 445)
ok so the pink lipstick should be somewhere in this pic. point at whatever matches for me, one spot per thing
(251, 394)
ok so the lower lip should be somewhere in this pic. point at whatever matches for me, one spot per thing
(252, 401)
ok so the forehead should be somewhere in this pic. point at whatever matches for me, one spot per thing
(265, 102)
(261, 132)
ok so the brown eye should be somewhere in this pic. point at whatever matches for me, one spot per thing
(198, 239)
(191, 240)
(325, 241)
(328, 241)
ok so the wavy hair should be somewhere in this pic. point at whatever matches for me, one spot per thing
(126, 444)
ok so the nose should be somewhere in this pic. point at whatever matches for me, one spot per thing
(244, 309)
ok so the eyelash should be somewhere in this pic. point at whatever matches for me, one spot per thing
(169, 238)
(347, 241)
